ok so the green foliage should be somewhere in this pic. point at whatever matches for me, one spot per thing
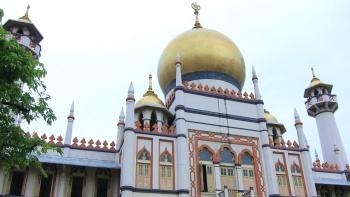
(16, 67)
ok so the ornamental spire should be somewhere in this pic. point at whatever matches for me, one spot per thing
(196, 8)
(150, 83)
(25, 17)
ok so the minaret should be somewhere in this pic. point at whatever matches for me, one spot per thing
(181, 131)
(128, 150)
(305, 155)
(271, 179)
(25, 32)
(121, 126)
(69, 130)
(321, 105)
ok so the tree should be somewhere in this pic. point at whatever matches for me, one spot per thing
(17, 67)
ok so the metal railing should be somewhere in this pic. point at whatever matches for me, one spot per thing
(236, 193)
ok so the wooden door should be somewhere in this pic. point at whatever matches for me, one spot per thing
(282, 185)
(210, 178)
(298, 186)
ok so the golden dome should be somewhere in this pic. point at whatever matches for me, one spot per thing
(314, 80)
(269, 117)
(202, 50)
(150, 97)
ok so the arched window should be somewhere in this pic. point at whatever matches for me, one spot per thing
(16, 182)
(166, 172)
(153, 120)
(77, 182)
(206, 171)
(275, 135)
(141, 120)
(103, 183)
(248, 171)
(297, 181)
(143, 178)
(339, 191)
(282, 179)
(324, 191)
(44, 186)
(227, 169)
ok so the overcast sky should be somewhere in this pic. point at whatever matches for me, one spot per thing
(93, 49)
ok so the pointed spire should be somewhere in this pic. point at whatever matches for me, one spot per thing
(178, 58)
(150, 83)
(25, 17)
(316, 155)
(254, 73)
(196, 8)
(297, 117)
(121, 115)
(71, 112)
(313, 72)
(131, 89)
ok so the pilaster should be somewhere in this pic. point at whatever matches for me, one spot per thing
(239, 177)
(217, 178)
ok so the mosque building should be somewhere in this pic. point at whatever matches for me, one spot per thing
(208, 137)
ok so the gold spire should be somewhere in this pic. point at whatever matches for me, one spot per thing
(314, 79)
(150, 96)
(196, 8)
(150, 83)
(25, 17)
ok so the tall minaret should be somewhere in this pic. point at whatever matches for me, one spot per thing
(25, 32)
(29, 37)
(321, 105)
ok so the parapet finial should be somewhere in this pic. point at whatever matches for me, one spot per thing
(196, 8)
(316, 155)
(121, 115)
(131, 89)
(296, 115)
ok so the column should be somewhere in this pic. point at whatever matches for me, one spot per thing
(217, 177)
(239, 177)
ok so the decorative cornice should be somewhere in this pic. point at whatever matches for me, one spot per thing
(158, 191)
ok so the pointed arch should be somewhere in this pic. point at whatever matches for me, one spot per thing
(164, 153)
(144, 150)
(295, 168)
(279, 167)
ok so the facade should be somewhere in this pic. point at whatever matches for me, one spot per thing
(209, 138)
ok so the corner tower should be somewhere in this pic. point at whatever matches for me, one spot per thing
(25, 32)
(321, 104)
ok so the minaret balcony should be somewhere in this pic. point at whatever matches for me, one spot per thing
(30, 44)
(321, 102)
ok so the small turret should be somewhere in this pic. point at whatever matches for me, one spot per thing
(25, 32)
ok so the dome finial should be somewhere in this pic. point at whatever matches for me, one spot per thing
(25, 17)
(196, 8)
(313, 72)
(150, 83)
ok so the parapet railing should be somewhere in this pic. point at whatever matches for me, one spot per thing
(236, 193)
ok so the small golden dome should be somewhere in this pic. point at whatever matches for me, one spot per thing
(150, 96)
(201, 49)
(269, 117)
(314, 80)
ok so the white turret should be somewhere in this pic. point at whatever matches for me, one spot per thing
(322, 105)
(271, 178)
(121, 126)
(69, 130)
(305, 154)
(128, 150)
(183, 175)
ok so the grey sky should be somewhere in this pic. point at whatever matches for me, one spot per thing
(93, 49)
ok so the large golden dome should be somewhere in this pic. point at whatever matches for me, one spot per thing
(205, 54)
